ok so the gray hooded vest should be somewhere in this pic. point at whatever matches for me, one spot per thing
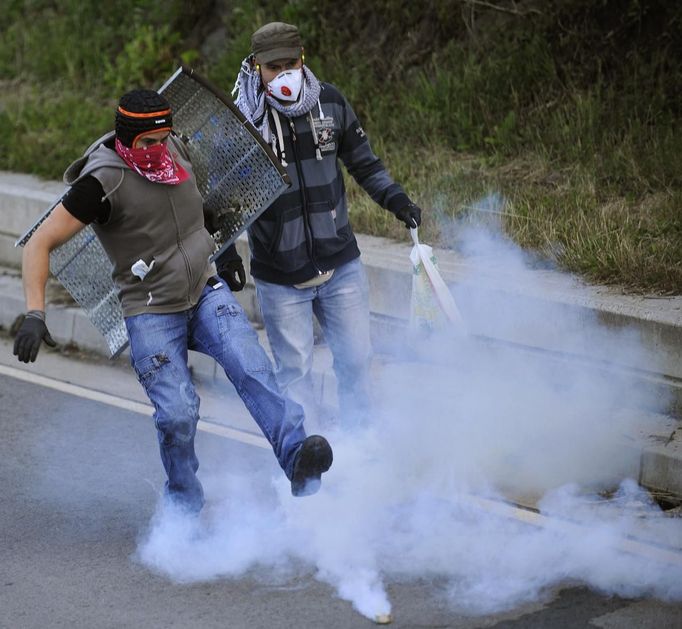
(160, 224)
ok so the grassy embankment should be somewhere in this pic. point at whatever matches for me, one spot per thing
(569, 109)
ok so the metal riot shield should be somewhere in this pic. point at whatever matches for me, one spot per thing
(237, 174)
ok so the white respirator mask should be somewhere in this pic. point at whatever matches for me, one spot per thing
(286, 85)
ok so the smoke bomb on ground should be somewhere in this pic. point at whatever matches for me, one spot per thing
(475, 419)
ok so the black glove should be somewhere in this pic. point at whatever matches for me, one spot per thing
(411, 215)
(231, 269)
(31, 334)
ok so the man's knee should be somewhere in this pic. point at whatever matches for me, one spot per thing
(244, 359)
(177, 428)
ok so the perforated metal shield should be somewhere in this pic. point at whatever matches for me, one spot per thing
(83, 268)
(236, 172)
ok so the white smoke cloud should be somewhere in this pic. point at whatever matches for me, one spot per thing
(478, 419)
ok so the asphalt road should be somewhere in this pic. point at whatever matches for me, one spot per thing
(79, 481)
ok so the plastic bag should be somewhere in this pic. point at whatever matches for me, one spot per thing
(432, 306)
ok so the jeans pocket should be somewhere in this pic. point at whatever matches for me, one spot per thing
(227, 310)
(147, 368)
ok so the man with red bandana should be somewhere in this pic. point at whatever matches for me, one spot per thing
(138, 191)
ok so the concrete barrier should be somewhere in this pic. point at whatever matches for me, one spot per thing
(23, 198)
(545, 310)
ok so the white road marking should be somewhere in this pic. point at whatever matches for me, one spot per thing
(502, 509)
(129, 405)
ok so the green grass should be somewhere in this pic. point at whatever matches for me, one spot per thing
(45, 131)
(562, 216)
(567, 110)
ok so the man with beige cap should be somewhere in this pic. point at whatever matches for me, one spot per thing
(304, 256)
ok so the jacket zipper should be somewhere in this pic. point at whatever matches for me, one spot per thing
(182, 249)
(304, 202)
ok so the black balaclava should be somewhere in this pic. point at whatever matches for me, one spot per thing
(141, 111)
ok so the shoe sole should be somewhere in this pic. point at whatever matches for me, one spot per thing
(314, 458)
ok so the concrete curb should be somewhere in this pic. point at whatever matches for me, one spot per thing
(23, 198)
(541, 296)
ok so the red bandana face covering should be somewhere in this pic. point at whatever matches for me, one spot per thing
(154, 163)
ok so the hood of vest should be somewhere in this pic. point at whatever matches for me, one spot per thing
(96, 156)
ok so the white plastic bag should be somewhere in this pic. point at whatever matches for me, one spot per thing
(432, 306)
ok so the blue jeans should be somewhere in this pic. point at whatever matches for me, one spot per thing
(218, 327)
(341, 305)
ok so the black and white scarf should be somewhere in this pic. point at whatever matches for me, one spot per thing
(252, 99)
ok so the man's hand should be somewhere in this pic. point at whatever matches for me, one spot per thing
(233, 273)
(31, 334)
(231, 269)
(411, 215)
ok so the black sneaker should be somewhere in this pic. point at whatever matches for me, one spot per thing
(312, 459)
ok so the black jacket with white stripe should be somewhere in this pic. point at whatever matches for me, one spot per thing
(306, 231)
